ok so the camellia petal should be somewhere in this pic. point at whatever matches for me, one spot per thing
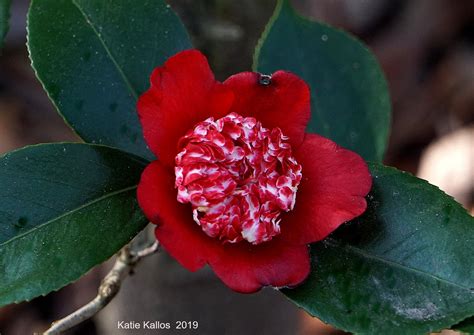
(332, 191)
(276, 263)
(182, 93)
(176, 231)
(283, 101)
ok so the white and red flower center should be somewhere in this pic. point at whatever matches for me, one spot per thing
(238, 176)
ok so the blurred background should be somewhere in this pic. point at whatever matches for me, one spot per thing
(426, 49)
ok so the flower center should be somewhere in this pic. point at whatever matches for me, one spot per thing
(238, 176)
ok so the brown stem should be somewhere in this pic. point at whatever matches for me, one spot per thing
(126, 261)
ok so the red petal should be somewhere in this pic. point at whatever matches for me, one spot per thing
(183, 92)
(243, 267)
(176, 231)
(335, 182)
(284, 103)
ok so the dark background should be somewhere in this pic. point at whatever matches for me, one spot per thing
(426, 49)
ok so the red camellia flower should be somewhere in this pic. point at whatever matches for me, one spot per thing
(238, 184)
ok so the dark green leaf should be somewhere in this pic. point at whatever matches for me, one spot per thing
(4, 17)
(349, 96)
(65, 208)
(466, 326)
(95, 57)
(404, 267)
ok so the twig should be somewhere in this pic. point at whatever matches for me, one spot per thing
(108, 289)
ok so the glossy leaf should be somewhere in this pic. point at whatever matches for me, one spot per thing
(4, 17)
(404, 267)
(65, 208)
(95, 57)
(349, 95)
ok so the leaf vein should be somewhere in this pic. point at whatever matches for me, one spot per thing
(335, 243)
(107, 50)
(69, 213)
